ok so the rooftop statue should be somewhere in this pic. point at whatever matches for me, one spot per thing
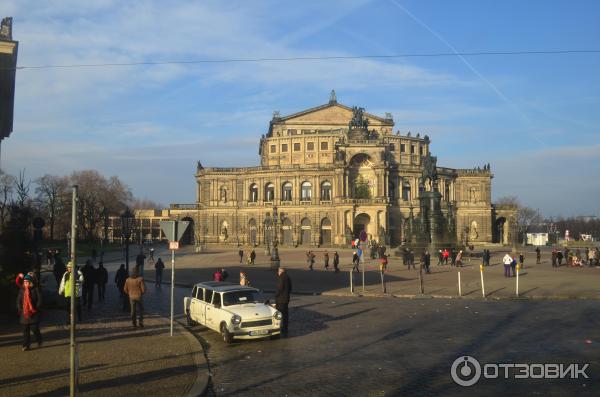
(6, 28)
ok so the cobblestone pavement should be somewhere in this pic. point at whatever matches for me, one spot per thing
(375, 347)
(536, 281)
(115, 359)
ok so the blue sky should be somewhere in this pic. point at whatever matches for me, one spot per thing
(535, 118)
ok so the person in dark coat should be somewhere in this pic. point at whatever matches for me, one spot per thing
(336, 261)
(241, 254)
(252, 257)
(139, 262)
(426, 260)
(89, 280)
(59, 268)
(29, 303)
(282, 298)
(120, 279)
(159, 267)
(102, 279)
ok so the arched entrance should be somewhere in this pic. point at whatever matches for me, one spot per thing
(252, 231)
(325, 232)
(361, 222)
(305, 229)
(500, 231)
(287, 232)
(188, 236)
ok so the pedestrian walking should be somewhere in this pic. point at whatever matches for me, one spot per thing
(513, 266)
(89, 280)
(64, 289)
(218, 276)
(309, 260)
(458, 260)
(411, 259)
(159, 266)
(355, 261)
(151, 254)
(29, 304)
(426, 260)
(440, 258)
(445, 254)
(244, 279)
(538, 255)
(507, 260)
(241, 254)
(252, 257)
(102, 279)
(326, 260)
(452, 257)
(522, 260)
(135, 289)
(553, 257)
(139, 262)
(559, 257)
(336, 262)
(282, 298)
(383, 263)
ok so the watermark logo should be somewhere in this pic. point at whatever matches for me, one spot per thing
(467, 371)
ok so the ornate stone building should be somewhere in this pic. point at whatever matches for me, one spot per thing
(328, 172)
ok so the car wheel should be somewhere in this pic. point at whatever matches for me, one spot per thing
(227, 337)
(189, 320)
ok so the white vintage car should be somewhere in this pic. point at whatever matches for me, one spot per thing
(234, 311)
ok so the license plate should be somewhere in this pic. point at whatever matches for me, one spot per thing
(259, 332)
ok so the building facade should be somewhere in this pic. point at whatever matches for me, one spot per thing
(326, 174)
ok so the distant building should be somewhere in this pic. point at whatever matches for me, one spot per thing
(329, 172)
(537, 238)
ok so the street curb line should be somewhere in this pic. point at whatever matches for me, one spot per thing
(200, 385)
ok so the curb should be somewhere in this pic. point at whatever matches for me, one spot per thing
(200, 385)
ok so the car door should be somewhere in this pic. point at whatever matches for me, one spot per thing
(213, 310)
(197, 307)
(210, 313)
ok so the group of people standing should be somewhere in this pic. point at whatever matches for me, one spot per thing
(590, 257)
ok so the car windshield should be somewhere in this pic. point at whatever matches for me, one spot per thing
(241, 297)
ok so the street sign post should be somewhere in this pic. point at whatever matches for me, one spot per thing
(174, 231)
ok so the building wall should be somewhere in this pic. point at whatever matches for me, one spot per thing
(228, 212)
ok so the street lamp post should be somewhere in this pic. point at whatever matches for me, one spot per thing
(274, 250)
(126, 224)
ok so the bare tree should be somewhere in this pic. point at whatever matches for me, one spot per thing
(22, 189)
(7, 186)
(51, 193)
(145, 204)
(98, 198)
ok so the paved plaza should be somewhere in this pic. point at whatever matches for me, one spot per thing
(339, 344)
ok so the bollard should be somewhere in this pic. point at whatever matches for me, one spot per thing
(517, 269)
(351, 282)
(459, 289)
(482, 284)
(421, 286)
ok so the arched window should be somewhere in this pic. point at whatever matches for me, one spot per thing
(286, 192)
(326, 191)
(306, 191)
(269, 192)
(406, 191)
(253, 193)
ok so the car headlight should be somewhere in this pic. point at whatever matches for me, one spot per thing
(236, 320)
(277, 315)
